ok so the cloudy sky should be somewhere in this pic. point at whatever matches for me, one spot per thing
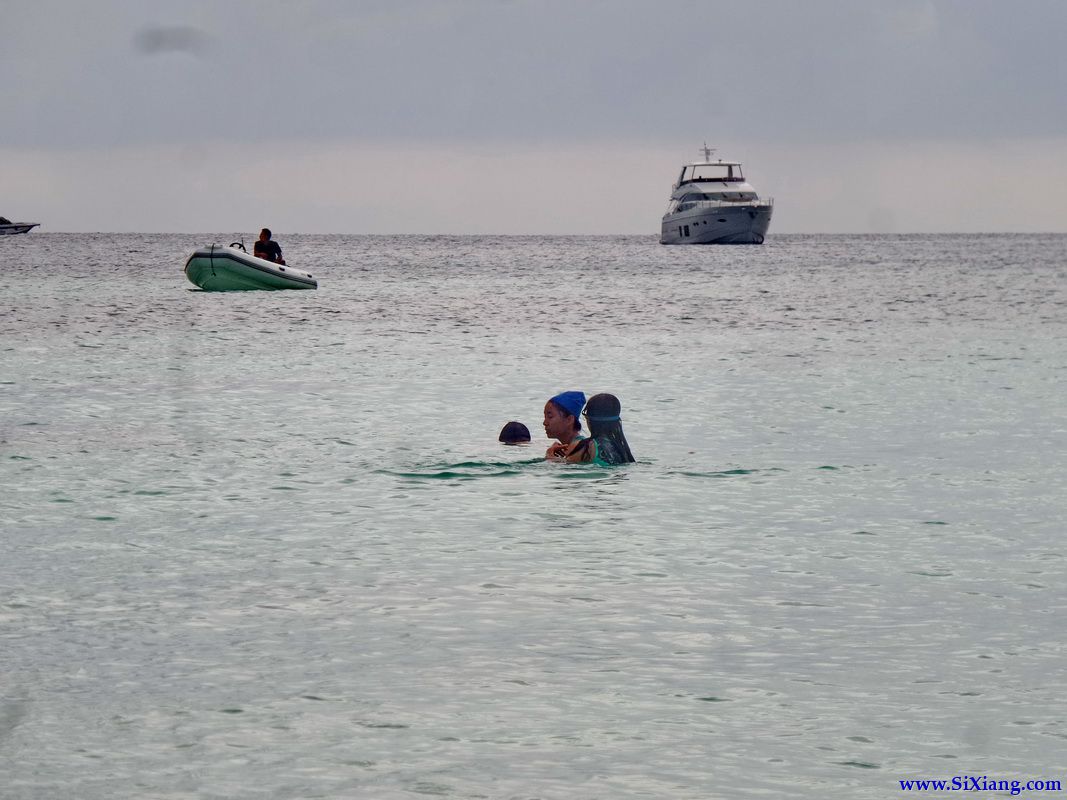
(529, 116)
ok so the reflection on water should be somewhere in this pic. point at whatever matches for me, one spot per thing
(268, 544)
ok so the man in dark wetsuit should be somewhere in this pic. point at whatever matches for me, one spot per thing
(267, 248)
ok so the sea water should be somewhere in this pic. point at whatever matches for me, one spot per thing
(266, 545)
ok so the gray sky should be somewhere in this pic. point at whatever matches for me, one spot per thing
(525, 116)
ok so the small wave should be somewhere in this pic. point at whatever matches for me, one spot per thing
(726, 473)
(463, 470)
(450, 474)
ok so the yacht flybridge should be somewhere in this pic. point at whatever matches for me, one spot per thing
(712, 203)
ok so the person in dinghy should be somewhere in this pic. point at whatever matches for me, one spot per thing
(267, 249)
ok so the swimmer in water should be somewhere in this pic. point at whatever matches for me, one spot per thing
(514, 433)
(606, 443)
(562, 423)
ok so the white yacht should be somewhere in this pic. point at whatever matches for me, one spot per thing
(712, 203)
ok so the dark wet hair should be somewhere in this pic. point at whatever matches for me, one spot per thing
(267, 231)
(603, 413)
(514, 433)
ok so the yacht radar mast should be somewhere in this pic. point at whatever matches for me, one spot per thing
(707, 151)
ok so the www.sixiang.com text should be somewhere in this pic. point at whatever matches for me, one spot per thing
(983, 783)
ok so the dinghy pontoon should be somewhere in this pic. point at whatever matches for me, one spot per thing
(231, 269)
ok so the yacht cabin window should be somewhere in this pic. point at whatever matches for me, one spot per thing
(730, 173)
(718, 197)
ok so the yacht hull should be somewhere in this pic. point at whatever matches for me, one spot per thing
(229, 269)
(745, 224)
(10, 229)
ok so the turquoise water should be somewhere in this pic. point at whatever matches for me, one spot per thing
(266, 544)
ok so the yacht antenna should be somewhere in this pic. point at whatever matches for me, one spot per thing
(707, 151)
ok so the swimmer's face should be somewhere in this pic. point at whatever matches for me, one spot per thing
(557, 424)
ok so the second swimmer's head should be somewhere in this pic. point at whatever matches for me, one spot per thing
(514, 433)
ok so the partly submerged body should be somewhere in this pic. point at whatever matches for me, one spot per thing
(601, 451)
(712, 203)
(230, 269)
(606, 444)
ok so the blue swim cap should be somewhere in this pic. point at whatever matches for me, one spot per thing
(571, 402)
